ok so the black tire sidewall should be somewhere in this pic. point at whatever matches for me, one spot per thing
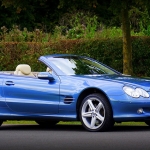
(1, 122)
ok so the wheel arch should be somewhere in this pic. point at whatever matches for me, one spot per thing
(87, 92)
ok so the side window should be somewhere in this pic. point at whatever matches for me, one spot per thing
(41, 67)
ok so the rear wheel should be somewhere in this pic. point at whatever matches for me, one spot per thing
(46, 123)
(147, 122)
(1, 122)
(95, 113)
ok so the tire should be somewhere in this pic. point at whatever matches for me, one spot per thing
(1, 122)
(147, 122)
(46, 123)
(95, 113)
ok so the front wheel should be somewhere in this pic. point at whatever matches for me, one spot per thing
(95, 113)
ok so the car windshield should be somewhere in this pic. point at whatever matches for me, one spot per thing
(80, 66)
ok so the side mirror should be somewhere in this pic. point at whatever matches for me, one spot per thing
(45, 76)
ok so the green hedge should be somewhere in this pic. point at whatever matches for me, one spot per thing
(108, 51)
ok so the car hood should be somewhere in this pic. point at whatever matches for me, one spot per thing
(124, 79)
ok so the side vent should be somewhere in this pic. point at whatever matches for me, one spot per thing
(68, 100)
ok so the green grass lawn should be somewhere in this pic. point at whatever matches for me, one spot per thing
(76, 123)
(131, 124)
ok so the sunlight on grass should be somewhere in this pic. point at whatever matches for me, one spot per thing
(131, 124)
(33, 122)
(19, 122)
(75, 123)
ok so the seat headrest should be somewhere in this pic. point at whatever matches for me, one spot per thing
(24, 68)
(48, 70)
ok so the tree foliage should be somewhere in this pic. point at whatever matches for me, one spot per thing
(116, 9)
(46, 13)
(31, 14)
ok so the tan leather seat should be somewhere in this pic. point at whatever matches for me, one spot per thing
(23, 69)
(49, 70)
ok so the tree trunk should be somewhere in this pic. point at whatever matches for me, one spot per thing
(127, 47)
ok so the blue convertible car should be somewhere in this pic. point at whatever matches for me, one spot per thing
(73, 88)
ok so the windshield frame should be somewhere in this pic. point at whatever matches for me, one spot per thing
(54, 61)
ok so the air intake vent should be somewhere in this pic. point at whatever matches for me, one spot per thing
(68, 100)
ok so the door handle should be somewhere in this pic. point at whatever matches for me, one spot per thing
(9, 83)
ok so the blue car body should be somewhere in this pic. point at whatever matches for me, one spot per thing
(59, 97)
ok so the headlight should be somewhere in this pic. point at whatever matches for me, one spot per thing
(135, 92)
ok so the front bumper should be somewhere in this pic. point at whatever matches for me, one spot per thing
(126, 108)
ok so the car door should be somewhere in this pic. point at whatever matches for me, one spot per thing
(31, 95)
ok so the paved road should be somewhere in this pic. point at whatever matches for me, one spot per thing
(73, 137)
